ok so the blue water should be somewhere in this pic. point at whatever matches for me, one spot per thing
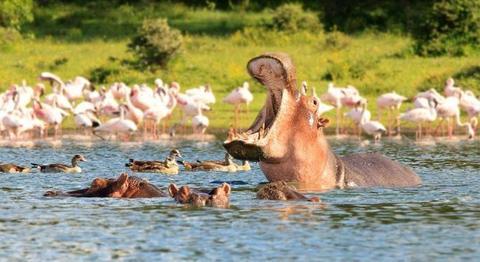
(437, 221)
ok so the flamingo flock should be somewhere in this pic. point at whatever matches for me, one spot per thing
(429, 106)
(120, 110)
(123, 110)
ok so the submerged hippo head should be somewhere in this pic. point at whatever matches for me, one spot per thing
(280, 190)
(121, 187)
(218, 197)
(287, 132)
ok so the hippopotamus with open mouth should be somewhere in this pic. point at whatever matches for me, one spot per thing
(122, 187)
(287, 139)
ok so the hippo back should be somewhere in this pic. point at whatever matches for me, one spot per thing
(373, 169)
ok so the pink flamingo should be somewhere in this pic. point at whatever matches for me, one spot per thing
(238, 96)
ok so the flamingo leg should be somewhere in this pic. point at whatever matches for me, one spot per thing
(337, 127)
(449, 128)
(435, 132)
(420, 130)
(397, 119)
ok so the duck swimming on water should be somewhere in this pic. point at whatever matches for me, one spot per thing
(226, 165)
(62, 168)
(169, 166)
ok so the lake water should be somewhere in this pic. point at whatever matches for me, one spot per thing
(437, 221)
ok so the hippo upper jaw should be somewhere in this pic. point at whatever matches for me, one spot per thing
(253, 145)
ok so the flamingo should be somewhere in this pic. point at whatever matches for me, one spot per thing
(450, 89)
(120, 90)
(448, 109)
(338, 97)
(133, 113)
(51, 114)
(202, 94)
(373, 128)
(238, 96)
(430, 95)
(74, 88)
(471, 105)
(199, 122)
(356, 115)
(419, 116)
(58, 98)
(86, 119)
(118, 124)
(108, 105)
(53, 79)
(142, 97)
(391, 102)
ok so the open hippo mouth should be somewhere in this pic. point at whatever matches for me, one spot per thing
(277, 73)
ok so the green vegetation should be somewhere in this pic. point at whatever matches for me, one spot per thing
(452, 27)
(72, 39)
(14, 13)
(156, 44)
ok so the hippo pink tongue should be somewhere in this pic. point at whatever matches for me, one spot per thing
(277, 73)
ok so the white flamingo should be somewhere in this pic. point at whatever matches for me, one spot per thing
(199, 122)
(392, 103)
(120, 90)
(419, 116)
(373, 128)
(74, 88)
(450, 89)
(118, 125)
(339, 97)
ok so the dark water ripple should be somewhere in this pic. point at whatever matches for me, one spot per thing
(437, 221)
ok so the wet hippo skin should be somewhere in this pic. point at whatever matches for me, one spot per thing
(287, 139)
(122, 187)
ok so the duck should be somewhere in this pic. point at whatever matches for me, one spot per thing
(62, 168)
(226, 165)
(12, 168)
(169, 166)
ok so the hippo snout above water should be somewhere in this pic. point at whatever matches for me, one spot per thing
(217, 197)
(287, 139)
(122, 187)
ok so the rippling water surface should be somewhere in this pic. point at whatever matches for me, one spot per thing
(440, 219)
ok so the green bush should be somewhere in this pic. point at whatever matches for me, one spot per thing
(156, 44)
(452, 27)
(14, 13)
(8, 36)
(293, 18)
(337, 40)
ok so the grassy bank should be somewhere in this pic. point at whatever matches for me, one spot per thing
(71, 40)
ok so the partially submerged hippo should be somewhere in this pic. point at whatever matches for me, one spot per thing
(280, 190)
(122, 187)
(217, 197)
(288, 140)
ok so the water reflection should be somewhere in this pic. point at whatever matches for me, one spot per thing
(440, 218)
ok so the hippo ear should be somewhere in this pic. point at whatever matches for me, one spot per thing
(274, 70)
(122, 179)
(172, 190)
(185, 190)
(99, 183)
(226, 188)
